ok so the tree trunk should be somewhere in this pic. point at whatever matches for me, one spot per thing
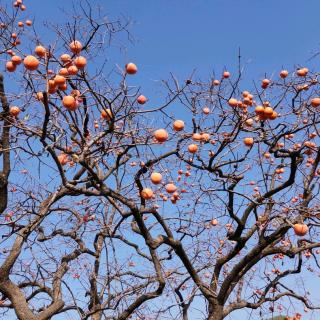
(215, 312)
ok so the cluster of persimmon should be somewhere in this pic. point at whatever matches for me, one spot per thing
(170, 188)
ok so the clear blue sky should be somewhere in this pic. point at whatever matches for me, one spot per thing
(181, 35)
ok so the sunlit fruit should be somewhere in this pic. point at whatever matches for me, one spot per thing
(146, 193)
(192, 148)
(75, 46)
(131, 68)
(248, 141)
(69, 102)
(10, 66)
(315, 102)
(72, 70)
(63, 72)
(106, 114)
(59, 80)
(141, 99)
(161, 135)
(31, 63)
(302, 72)
(206, 110)
(273, 116)
(16, 59)
(14, 111)
(259, 109)
(178, 125)
(265, 83)
(40, 51)
(233, 102)
(300, 229)
(283, 74)
(80, 62)
(226, 74)
(65, 58)
(171, 188)
(156, 177)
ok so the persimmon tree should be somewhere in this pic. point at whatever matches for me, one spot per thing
(116, 206)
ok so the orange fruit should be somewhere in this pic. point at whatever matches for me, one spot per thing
(161, 135)
(75, 46)
(131, 68)
(31, 63)
(178, 125)
(69, 102)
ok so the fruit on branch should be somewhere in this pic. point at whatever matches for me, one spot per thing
(31, 63)
(265, 83)
(233, 102)
(75, 46)
(106, 114)
(302, 72)
(192, 148)
(10, 66)
(80, 62)
(14, 111)
(283, 74)
(69, 102)
(141, 99)
(131, 68)
(206, 110)
(146, 193)
(300, 229)
(161, 135)
(315, 102)
(178, 125)
(17, 60)
(72, 70)
(40, 51)
(226, 74)
(171, 188)
(248, 141)
(156, 177)
(65, 58)
(59, 80)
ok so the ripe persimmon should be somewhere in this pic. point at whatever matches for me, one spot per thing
(72, 70)
(16, 60)
(141, 99)
(31, 63)
(146, 193)
(283, 74)
(226, 74)
(315, 102)
(69, 102)
(59, 80)
(106, 114)
(40, 51)
(131, 68)
(14, 111)
(161, 135)
(300, 229)
(171, 188)
(248, 141)
(233, 102)
(75, 46)
(80, 62)
(302, 72)
(192, 148)
(178, 125)
(10, 66)
(156, 177)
